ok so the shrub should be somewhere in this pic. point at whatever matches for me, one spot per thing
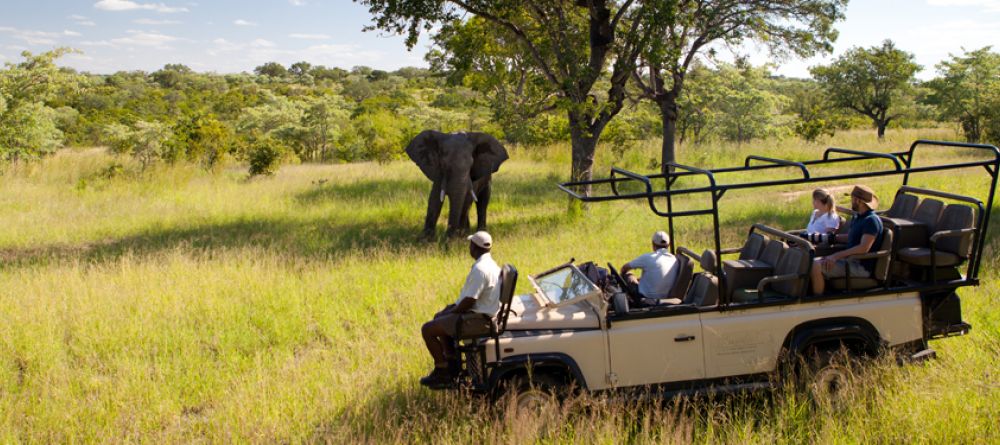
(264, 156)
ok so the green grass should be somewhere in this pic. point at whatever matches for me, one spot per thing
(181, 306)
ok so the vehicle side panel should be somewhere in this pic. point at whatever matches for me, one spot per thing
(587, 347)
(748, 341)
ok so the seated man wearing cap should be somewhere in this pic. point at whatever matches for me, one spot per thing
(865, 236)
(659, 270)
(480, 297)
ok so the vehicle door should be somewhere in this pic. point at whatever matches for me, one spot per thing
(653, 350)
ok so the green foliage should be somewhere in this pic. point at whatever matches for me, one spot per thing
(869, 81)
(203, 139)
(29, 126)
(264, 156)
(271, 69)
(968, 92)
(146, 142)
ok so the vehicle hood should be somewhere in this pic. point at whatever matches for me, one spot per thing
(530, 315)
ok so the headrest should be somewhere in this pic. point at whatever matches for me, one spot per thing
(708, 261)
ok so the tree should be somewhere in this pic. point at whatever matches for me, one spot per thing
(473, 54)
(570, 43)
(968, 91)
(868, 81)
(27, 123)
(145, 141)
(746, 107)
(171, 75)
(299, 69)
(271, 69)
(799, 27)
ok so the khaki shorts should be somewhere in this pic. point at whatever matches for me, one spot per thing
(839, 270)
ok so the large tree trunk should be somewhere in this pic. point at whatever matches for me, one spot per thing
(668, 117)
(881, 124)
(583, 135)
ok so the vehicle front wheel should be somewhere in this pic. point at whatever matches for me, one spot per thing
(532, 394)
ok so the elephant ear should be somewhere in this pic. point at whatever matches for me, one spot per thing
(489, 151)
(424, 151)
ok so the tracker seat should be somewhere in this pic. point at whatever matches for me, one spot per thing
(951, 242)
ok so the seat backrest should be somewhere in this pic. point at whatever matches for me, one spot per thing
(685, 272)
(928, 213)
(708, 261)
(508, 281)
(752, 248)
(903, 206)
(954, 217)
(704, 291)
(772, 253)
(881, 272)
(794, 261)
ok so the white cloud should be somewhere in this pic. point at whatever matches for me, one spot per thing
(154, 22)
(241, 22)
(988, 5)
(297, 2)
(261, 43)
(71, 33)
(31, 37)
(310, 36)
(150, 39)
(129, 5)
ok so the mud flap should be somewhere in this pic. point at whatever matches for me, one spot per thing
(942, 311)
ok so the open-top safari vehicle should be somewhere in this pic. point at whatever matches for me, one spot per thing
(739, 323)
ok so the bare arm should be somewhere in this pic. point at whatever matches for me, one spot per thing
(866, 244)
(464, 305)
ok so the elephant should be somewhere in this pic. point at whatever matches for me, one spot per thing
(461, 167)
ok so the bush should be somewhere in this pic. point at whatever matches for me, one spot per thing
(265, 156)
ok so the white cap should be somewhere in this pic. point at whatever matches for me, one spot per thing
(481, 239)
(661, 239)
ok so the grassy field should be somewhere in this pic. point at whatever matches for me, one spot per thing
(182, 306)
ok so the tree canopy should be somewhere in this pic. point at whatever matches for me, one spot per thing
(869, 80)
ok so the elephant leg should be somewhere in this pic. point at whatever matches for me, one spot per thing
(457, 209)
(482, 204)
(433, 211)
(463, 221)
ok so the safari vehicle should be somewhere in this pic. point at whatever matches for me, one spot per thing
(739, 322)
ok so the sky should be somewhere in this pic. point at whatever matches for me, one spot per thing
(227, 36)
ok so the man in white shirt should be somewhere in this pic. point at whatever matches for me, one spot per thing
(659, 269)
(480, 297)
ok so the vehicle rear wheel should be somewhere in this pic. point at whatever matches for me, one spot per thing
(828, 375)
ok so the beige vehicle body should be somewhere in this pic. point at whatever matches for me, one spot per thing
(741, 322)
(683, 346)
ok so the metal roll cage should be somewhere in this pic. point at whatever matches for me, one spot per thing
(901, 164)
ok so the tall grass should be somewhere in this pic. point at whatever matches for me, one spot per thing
(181, 306)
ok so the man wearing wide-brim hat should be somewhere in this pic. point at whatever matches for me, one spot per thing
(865, 236)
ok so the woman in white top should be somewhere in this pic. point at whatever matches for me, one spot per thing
(824, 218)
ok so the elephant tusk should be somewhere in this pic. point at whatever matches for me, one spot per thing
(442, 195)
(474, 198)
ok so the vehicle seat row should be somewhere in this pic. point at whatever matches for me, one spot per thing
(787, 280)
(701, 289)
(930, 233)
(758, 258)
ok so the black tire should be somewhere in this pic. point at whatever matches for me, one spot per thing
(532, 394)
(827, 373)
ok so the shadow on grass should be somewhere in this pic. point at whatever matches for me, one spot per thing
(311, 239)
(513, 192)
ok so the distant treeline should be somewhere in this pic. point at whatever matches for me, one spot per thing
(306, 113)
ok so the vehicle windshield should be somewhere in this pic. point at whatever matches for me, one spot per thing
(565, 284)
